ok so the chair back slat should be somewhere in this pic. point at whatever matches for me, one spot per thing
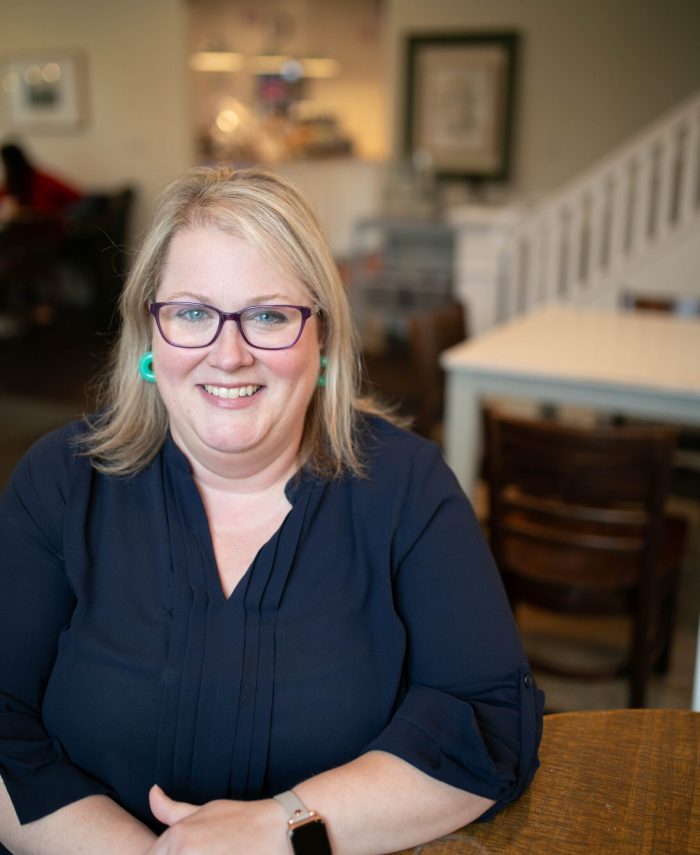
(608, 465)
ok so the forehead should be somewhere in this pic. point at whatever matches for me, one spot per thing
(210, 264)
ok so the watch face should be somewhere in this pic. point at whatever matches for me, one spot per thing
(310, 838)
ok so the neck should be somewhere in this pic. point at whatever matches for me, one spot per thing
(248, 473)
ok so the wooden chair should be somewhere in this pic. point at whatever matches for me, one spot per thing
(577, 526)
(430, 333)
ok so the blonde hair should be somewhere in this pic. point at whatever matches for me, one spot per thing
(269, 212)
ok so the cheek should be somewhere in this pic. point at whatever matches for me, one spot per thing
(295, 366)
(171, 364)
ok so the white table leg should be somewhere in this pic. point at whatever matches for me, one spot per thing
(463, 430)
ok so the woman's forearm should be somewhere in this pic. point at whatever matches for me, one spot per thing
(379, 803)
(91, 825)
(375, 804)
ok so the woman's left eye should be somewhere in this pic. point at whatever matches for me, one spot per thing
(268, 317)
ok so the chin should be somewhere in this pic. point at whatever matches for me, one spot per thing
(230, 444)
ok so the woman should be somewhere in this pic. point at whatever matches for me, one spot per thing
(240, 579)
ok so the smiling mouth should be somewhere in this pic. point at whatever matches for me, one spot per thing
(236, 392)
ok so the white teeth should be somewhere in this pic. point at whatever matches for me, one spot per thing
(237, 392)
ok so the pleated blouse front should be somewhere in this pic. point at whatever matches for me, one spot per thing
(219, 677)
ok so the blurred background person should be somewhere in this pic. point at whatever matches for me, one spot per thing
(32, 192)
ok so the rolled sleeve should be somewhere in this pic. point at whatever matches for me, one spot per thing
(40, 780)
(480, 738)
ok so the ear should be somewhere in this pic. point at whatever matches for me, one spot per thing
(321, 330)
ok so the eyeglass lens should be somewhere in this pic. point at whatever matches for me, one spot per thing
(197, 325)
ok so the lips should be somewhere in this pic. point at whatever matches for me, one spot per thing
(231, 392)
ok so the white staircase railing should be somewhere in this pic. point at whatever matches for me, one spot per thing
(578, 244)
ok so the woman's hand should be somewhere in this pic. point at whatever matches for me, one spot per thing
(221, 827)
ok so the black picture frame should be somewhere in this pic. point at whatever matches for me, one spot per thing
(460, 102)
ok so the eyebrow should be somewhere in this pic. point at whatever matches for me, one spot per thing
(191, 297)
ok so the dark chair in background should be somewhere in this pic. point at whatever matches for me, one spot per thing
(407, 373)
(577, 527)
(29, 273)
(95, 245)
(59, 286)
(430, 333)
(660, 303)
(78, 262)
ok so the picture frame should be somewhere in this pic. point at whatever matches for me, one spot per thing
(460, 103)
(45, 91)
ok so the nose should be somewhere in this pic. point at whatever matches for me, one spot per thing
(230, 350)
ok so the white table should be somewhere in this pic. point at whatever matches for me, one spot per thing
(637, 363)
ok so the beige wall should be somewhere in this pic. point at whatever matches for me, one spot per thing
(592, 72)
(138, 126)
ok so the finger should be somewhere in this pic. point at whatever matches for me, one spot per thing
(166, 809)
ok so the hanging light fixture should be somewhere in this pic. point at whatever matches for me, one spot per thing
(294, 68)
(213, 56)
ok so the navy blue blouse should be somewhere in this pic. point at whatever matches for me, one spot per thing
(373, 619)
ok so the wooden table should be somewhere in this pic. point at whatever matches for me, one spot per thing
(621, 782)
(638, 363)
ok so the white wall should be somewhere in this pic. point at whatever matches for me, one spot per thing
(592, 72)
(138, 128)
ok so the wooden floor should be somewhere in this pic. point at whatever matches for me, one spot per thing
(45, 381)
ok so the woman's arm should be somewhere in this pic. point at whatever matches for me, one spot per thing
(62, 808)
(377, 803)
(380, 803)
(92, 825)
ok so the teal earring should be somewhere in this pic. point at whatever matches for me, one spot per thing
(322, 375)
(146, 367)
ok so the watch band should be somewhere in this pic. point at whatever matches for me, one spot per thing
(293, 806)
(306, 830)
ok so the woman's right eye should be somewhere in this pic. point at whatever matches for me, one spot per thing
(193, 314)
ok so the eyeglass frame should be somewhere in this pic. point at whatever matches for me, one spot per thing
(305, 311)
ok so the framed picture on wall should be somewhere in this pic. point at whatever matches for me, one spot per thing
(459, 110)
(45, 91)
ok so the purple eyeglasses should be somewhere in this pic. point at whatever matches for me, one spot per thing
(265, 327)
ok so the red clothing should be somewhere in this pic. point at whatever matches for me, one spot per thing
(49, 196)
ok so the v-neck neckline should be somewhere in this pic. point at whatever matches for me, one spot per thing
(195, 511)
